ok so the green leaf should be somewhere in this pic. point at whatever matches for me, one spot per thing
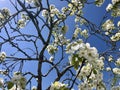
(10, 84)
(95, 71)
(76, 65)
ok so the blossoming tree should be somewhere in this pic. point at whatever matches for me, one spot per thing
(39, 31)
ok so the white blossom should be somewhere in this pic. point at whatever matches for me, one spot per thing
(58, 85)
(85, 71)
(21, 23)
(5, 13)
(118, 24)
(116, 37)
(76, 32)
(109, 7)
(116, 70)
(84, 33)
(45, 13)
(19, 79)
(118, 62)
(108, 68)
(108, 25)
(2, 56)
(51, 49)
(115, 88)
(99, 2)
(115, 1)
(1, 82)
(110, 58)
(29, 1)
(34, 88)
(51, 59)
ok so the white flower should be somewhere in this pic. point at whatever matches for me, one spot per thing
(77, 19)
(2, 56)
(58, 85)
(107, 33)
(118, 24)
(77, 31)
(1, 82)
(61, 16)
(116, 37)
(19, 79)
(109, 7)
(115, 1)
(116, 70)
(51, 59)
(110, 58)
(16, 88)
(99, 2)
(113, 38)
(6, 13)
(118, 62)
(29, 1)
(1, 16)
(34, 88)
(45, 13)
(108, 25)
(100, 64)
(85, 71)
(84, 33)
(24, 16)
(102, 58)
(64, 10)
(108, 68)
(21, 23)
(115, 88)
(51, 49)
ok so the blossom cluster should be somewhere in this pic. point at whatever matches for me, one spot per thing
(80, 49)
(76, 7)
(29, 1)
(114, 7)
(118, 62)
(2, 56)
(3, 72)
(108, 25)
(116, 37)
(22, 22)
(58, 86)
(78, 31)
(115, 88)
(82, 54)
(59, 39)
(35, 2)
(93, 83)
(116, 70)
(18, 81)
(99, 2)
(51, 49)
(4, 14)
(54, 12)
